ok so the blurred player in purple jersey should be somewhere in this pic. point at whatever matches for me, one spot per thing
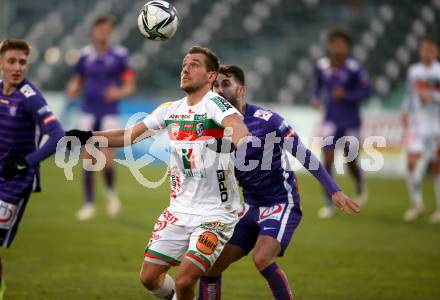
(104, 75)
(272, 208)
(24, 118)
(344, 85)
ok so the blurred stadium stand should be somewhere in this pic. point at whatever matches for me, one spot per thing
(276, 41)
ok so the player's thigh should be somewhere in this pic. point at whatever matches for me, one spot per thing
(109, 155)
(208, 240)
(280, 222)
(230, 254)
(412, 159)
(168, 241)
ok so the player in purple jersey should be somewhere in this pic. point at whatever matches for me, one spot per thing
(104, 75)
(24, 118)
(344, 83)
(272, 204)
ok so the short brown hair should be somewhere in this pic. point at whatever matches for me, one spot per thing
(339, 34)
(104, 19)
(428, 39)
(234, 71)
(212, 62)
(14, 44)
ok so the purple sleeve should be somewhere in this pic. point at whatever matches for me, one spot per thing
(361, 89)
(48, 124)
(317, 85)
(79, 67)
(292, 143)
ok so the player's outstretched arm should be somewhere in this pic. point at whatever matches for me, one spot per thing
(314, 166)
(115, 137)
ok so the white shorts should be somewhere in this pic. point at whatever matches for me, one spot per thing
(198, 238)
(88, 122)
(421, 142)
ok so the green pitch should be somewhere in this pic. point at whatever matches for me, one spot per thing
(374, 255)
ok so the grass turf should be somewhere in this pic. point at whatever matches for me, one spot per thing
(374, 255)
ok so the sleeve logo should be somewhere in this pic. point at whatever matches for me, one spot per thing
(222, 103)
(27, 91)
(263, 114)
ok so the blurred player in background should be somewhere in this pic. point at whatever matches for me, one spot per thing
(344, 83)
(204, 201)
(103, 73)
(421, 117)
(25, 118)
(272, 203)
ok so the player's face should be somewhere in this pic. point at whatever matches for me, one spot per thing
(14, 65)
(227, 87)
(102, 33)
(428, 52)
(194, 75)
(338, 48)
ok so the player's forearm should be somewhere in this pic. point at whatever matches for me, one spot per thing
(124, 137)
(48, 148)
(239, 135)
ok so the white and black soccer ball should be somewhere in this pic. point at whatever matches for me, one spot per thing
(158, 20)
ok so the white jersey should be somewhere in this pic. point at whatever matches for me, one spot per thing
(198, 184)
(424, 118)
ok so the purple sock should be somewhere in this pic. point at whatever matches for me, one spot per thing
(109, 177)
(88, 187)
(277, 281)
(210, 288)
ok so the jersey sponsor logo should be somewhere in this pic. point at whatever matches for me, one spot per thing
(272, 212)
(175, 127)
(45, 109)
(207, 242)
(263, 114)
(222, 103)
(217, 227)
(201, 117)
(13, 110)
(169, 217)
(27, 91)
(179, 117)
(7, 214)
(222, 185)
(200, 128)
(159, 225)
(175, 183)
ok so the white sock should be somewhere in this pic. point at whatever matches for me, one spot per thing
(415, 194)
(167, 290)
(437, 190)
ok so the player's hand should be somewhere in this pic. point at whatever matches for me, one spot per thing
(83, 136)
(220, 145)
(315, 103)
(12, 166)
(112, 93)
(425, 95)
(338, 93)
(344, 203)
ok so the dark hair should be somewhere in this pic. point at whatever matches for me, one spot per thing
(103, 20)
(212, 62)
(428, 39)
(339, 34)
(14, 44)
(234, 71)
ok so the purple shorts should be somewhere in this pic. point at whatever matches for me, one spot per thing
(278, 221)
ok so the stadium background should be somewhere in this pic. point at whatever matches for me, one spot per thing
(374, 255)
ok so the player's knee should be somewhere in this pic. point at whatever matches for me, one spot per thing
(150, 281)
(261, 261)
(184, 282)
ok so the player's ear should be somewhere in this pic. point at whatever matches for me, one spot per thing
(212, 76)
(241, 91)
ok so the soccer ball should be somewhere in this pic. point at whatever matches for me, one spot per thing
(158, 20)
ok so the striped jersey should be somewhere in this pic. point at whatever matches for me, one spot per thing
(202, 181)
